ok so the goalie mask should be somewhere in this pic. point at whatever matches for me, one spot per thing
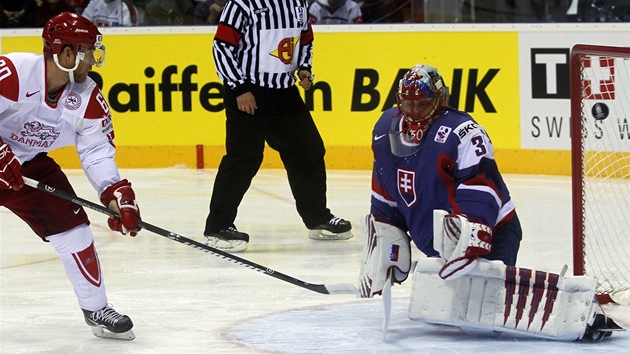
(421, 96)
(70, 29)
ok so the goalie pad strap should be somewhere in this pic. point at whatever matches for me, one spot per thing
(495, 297)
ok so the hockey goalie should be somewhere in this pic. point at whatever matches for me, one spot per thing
(430, 158)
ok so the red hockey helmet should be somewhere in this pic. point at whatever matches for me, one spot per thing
(72, 29)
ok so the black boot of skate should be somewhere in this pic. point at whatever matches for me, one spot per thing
(229, 240)
(601, 328)
(107, 323)
(334, 229)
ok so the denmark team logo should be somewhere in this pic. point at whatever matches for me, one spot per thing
(73, 101)
(39, 130)
(407, 186)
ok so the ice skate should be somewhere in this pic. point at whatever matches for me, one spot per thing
(107, 323)
(601, 328)
(229, 240)
(334, 229)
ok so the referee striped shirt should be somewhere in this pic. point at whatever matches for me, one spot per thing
(263, 43)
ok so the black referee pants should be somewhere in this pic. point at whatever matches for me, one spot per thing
(284, 122)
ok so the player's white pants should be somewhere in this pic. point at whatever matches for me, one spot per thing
(76, 250)
(495, 297)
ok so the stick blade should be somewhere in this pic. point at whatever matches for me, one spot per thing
(336, 289)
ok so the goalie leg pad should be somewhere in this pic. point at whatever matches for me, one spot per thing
(495, 297)
(386, 248)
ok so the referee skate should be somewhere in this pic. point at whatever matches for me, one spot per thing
(334, 229)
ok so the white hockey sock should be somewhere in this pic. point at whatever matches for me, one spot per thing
(76, 250)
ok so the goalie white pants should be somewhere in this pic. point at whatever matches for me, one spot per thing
(495, 297)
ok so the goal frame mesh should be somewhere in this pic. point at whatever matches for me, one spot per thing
(585, 235)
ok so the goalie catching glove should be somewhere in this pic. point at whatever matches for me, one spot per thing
(120, 198)
(460, 242)
(386, 249)
(10, 169)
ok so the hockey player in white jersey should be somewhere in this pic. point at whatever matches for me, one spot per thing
(435, 182)
(47, 102)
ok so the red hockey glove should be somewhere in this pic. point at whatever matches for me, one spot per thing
(121, 198)
(10, 169)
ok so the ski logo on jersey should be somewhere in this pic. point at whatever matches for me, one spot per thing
(407, 186)
(39, 130)
(73, 101)
(302, 15)
(442, 134)
(466, 128)
(286, 49)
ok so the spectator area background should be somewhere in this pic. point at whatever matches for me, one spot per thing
(170, 101)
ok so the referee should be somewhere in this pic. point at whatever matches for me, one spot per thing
(258, 47)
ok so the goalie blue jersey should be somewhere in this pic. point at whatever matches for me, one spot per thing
(453, 169)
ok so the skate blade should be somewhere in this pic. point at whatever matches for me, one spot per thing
(101, 332)
(324, 235)
(232, 246)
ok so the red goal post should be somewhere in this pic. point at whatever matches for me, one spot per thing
(600, 150)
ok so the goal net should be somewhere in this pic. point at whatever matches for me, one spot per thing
(600, 147)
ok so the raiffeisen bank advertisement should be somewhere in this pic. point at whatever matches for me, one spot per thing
(167, 107)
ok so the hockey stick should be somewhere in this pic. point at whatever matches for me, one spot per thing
(318, 288)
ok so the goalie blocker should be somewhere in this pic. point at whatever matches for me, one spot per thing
(386, 257)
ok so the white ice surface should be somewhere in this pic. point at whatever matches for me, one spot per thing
(183, 300)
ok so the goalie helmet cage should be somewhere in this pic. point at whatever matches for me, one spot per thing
(600, 156)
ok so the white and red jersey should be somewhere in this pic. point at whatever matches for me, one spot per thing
(111, 13)
(30, 125)
(348, 12)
